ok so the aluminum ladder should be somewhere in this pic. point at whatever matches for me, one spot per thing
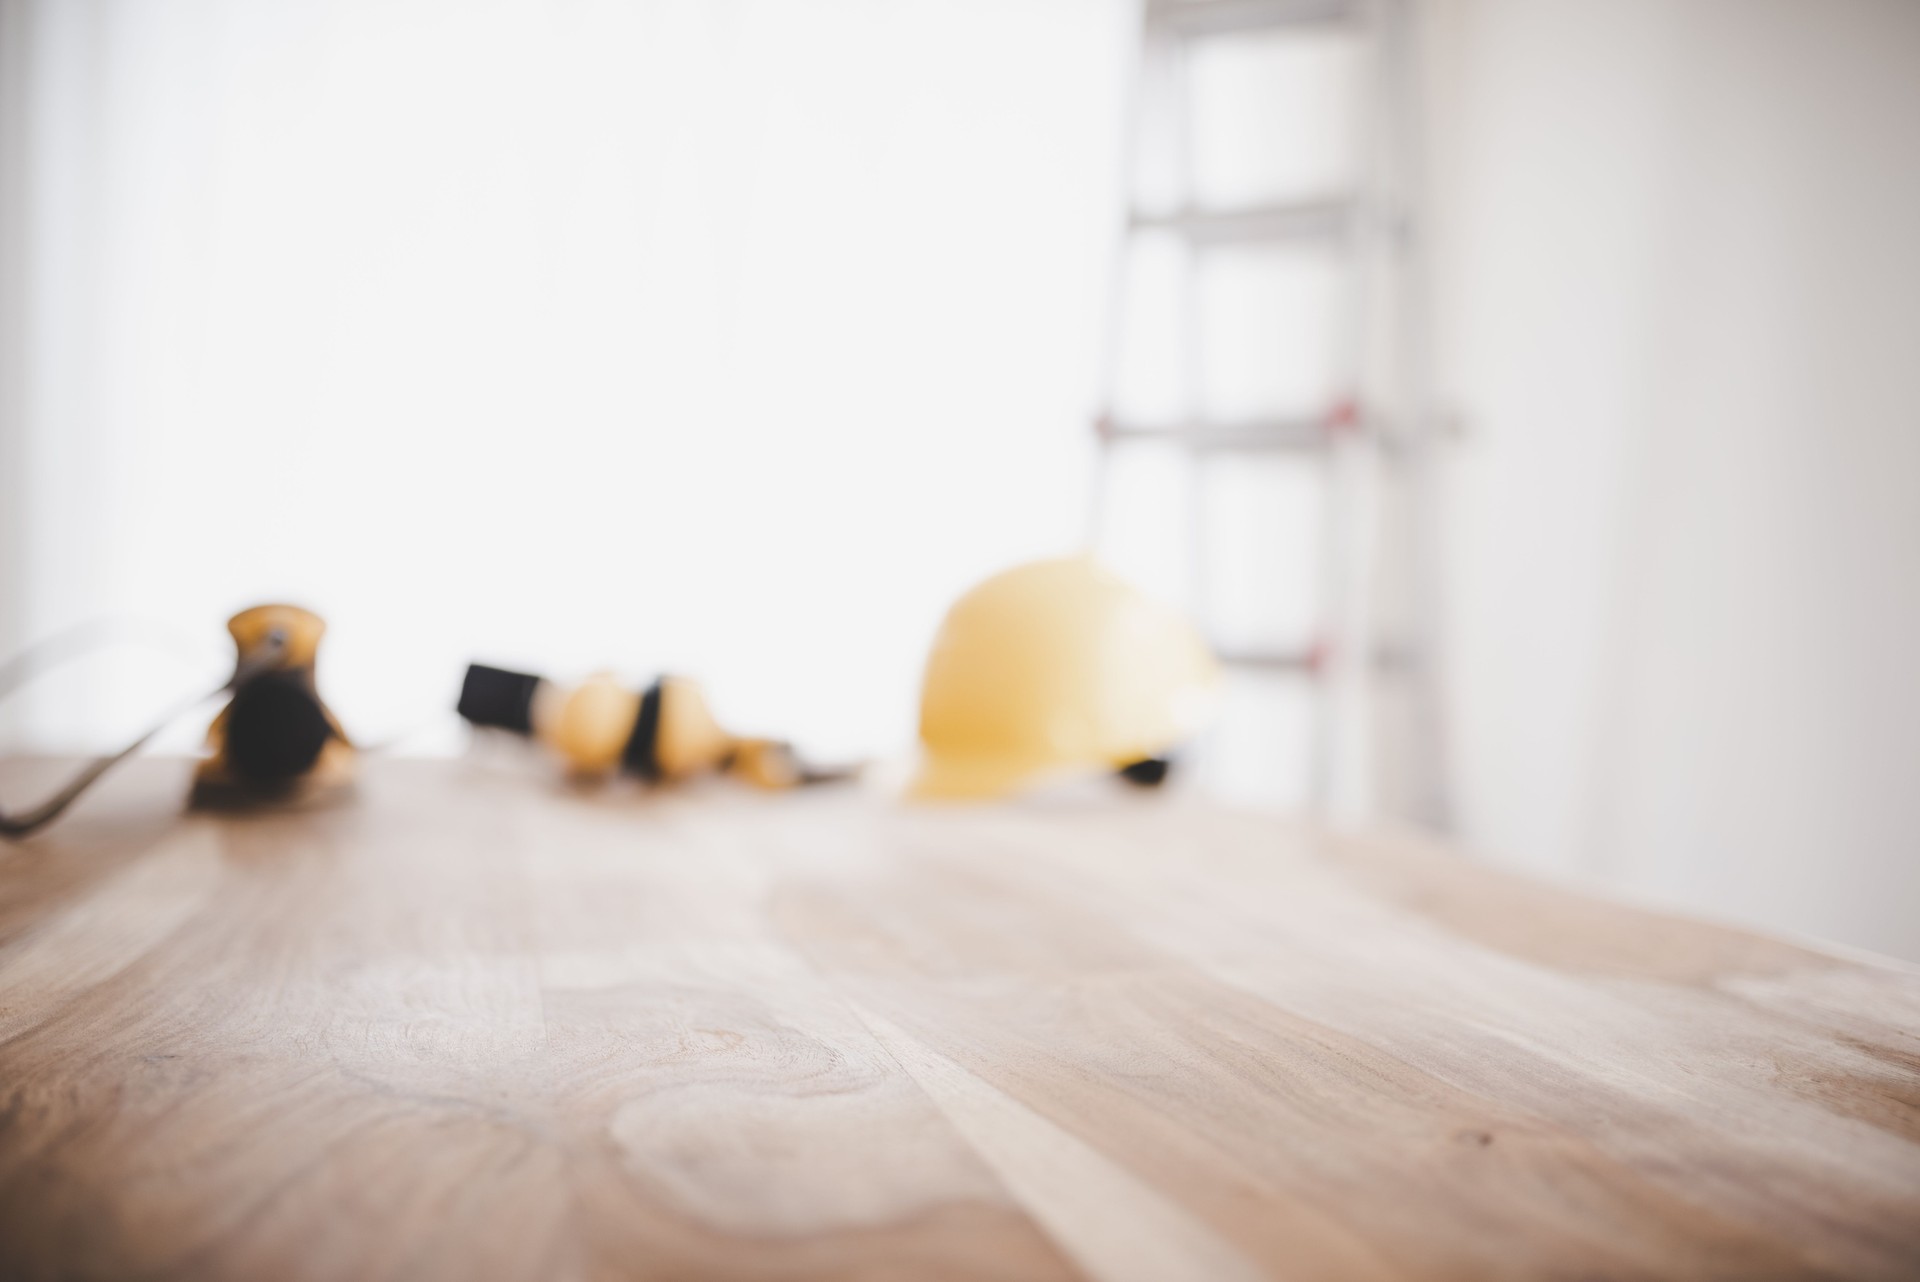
(1374, 648)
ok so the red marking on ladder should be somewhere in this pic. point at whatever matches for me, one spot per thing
(1342, 416)
(1319, 655)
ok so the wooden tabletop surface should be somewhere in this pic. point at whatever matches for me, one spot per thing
(469, 1025)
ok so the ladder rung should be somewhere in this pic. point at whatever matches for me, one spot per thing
(1222, 17)
(1309, 660)
(1302, 660)
(1294, 220)
(1296, 435)
(1344, 421)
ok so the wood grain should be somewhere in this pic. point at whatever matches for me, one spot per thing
(467, 1024)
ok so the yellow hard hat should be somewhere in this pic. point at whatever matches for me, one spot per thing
(1054, 666)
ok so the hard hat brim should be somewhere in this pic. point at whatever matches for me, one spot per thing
(947, 778)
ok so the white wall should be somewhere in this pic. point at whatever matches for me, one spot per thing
(1680, 250)
(13, 352)
(726, 337)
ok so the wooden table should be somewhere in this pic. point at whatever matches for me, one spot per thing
(468, 1025)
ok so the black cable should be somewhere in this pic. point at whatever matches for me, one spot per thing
(83, 638)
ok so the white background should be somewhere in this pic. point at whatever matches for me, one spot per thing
(739, 337)
(727, 338)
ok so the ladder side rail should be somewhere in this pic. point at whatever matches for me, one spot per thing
(1147, 43)
(1423, 529)
(1192, 358)
(1340, 747)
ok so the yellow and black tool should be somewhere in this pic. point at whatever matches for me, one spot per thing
(664, 733)
(275, 739)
